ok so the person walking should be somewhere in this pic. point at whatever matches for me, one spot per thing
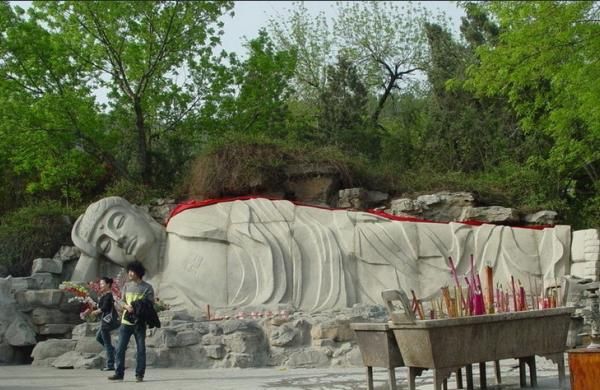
(136, 293)
(108, 321)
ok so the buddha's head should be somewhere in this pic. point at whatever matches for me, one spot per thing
(114, 228)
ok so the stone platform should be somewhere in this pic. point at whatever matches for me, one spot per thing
(38, 378)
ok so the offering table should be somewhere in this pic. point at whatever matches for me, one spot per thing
(378, 348)
(445, 345)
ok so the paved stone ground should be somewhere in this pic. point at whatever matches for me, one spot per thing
(32, 378)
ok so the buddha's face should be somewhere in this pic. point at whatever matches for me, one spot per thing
(122, 235)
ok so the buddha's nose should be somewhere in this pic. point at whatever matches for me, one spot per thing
(121, 241)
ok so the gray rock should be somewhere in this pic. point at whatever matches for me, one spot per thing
(215, 351)
(355, 198)
(544, 217)
(405, 206)
(363, 312)
(376, 197)
(22, 284)
(245, 342)
(88, 345)
(354, 358)
(162, 357)
(86, 329)
(183, 339)
(43, 315)
(215, 329)
(55, 329)
(50, 297)
(193, 356)
(336, 330)
(278, 356)
(323, 343)
(7, 354)
(342, 350)
(6, 294)
(20, 333)
(45, 280)
(210, 339)
(240, 360)
(159, 337)
(308, 358)
(74, 359)
(66, 253)
(283, 335)
(201, 327)
(491, 214)
(42, 265)
(231, 326)
(52, 348)
(442, 206)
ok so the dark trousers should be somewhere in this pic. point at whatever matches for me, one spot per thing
(125, 332)
(103, 337)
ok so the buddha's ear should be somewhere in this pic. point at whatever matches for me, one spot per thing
(86, 269)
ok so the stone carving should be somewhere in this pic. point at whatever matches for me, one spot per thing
(585, 254)
(260, 252)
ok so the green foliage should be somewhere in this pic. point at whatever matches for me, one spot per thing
(311, 39)
(50, 132)
(254, 93)
(387, 40)
(134, 192)
(32, 232)
(546, 63)
(342, 116)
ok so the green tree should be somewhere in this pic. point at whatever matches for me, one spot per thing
(311, 39)
(386, 39)
(546, 62)
(343, 112)
(141, 52)
(467, 133)
(50, 130)
(255, 91)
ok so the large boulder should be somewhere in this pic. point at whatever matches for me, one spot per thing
(20, 333)
(45, 352)
(360, 198)
(442, 206)
(48, 298)
(310, 357)
(42, 265)
(75, 359)
(490, 214)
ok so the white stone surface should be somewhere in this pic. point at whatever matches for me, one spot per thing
(585, 254)
(260, 251)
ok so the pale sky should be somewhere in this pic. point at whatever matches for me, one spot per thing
(250, 16)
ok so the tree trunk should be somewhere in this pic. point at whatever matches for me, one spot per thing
(383, 98)
(142, 140)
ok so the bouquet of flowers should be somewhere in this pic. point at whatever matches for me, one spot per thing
(81, 294)
(87, 294)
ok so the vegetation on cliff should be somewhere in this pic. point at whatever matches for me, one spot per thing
(385, 93)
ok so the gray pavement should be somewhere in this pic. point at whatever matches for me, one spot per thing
(33, 378)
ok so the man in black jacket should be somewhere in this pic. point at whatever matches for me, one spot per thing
(134, 290)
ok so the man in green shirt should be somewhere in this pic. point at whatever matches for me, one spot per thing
(134, 290)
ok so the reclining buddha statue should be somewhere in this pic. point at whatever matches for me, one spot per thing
(257, 251)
